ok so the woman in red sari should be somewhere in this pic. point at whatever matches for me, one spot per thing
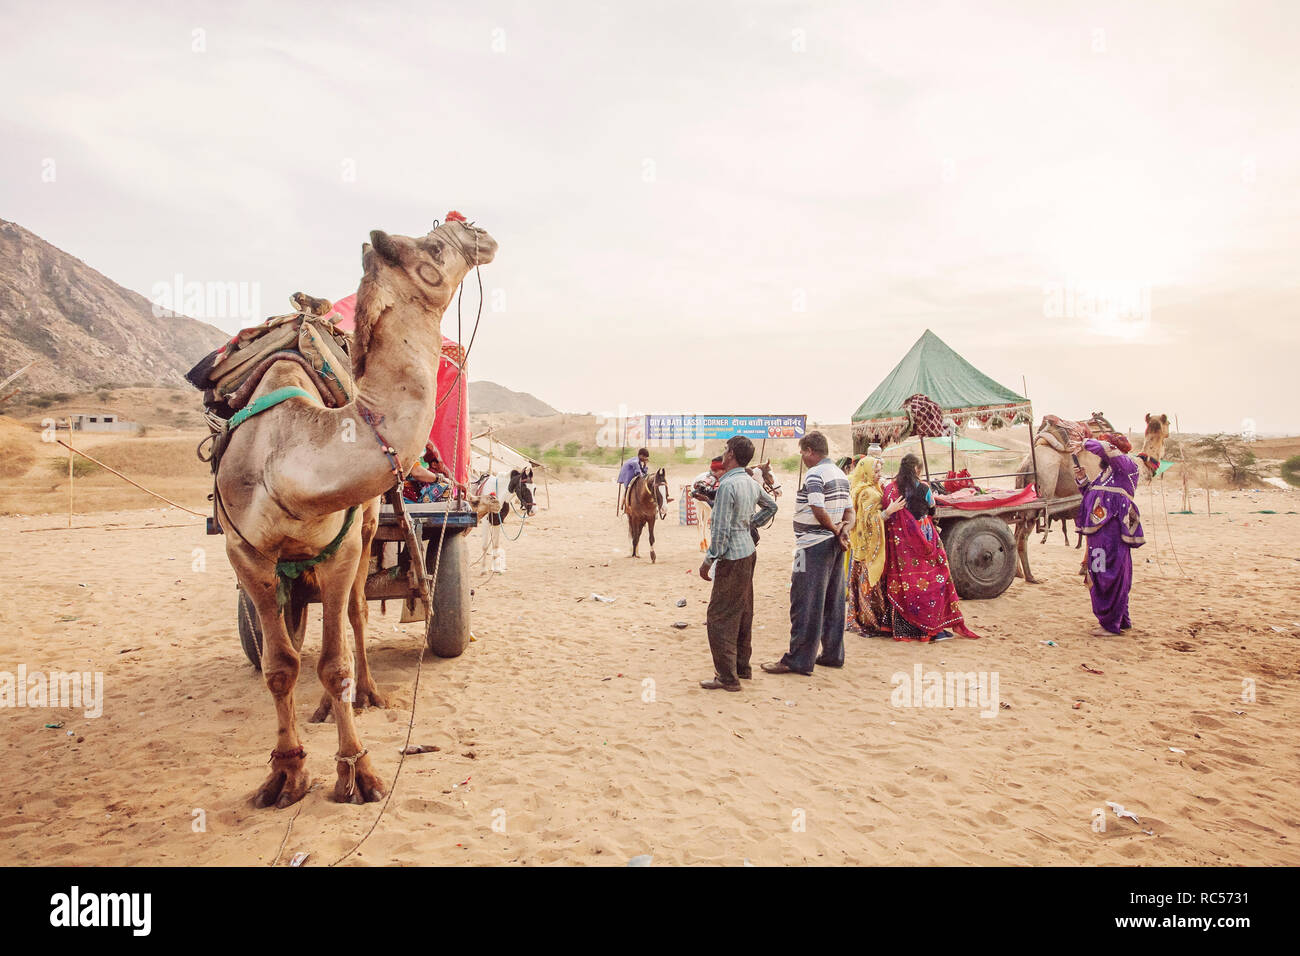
(922, 597)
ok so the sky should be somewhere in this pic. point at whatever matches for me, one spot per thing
(749, 208)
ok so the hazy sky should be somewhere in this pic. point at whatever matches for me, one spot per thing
(711, 207)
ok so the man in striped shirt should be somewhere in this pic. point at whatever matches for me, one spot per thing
(823, 518)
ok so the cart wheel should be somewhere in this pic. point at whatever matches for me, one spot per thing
(981, 556)
(447, 632)
(250, 628)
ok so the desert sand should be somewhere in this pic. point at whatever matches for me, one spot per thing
(574, 731)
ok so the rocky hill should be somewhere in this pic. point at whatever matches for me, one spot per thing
(84, 329)
(491, 398)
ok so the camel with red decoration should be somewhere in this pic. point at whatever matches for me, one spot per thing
(297, 490)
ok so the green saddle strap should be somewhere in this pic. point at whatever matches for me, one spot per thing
(286, 571)
(269, 400)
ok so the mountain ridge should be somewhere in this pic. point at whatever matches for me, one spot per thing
(81, 328)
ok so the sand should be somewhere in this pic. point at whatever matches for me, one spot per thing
(574, 731)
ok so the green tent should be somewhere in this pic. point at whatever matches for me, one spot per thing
(933, 369)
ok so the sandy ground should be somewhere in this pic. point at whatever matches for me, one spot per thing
(573, 731)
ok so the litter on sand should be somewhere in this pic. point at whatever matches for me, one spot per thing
(601, 598)
(420, 749)
(1050, 643)
(1175, 750)
(55, 726)
(681, 602)
(680, 624)
(1121, 812)
(1091, 670)
(298, 859)
(642, 860)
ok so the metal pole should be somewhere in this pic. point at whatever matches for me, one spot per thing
(924, 460)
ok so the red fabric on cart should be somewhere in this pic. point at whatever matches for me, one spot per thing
(968, 499)
(454, 410)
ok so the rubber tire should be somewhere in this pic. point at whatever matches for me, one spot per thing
(981, 557)
(447, 632)
(250, 628)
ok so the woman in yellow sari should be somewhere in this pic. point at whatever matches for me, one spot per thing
(867, 611)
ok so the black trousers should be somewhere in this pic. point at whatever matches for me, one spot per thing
(817, 601)
(731, 618)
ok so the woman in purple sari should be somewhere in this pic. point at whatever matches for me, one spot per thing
(1109, 517)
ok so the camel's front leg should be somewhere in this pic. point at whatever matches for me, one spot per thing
(1022, 554)
(288, 781)
(357, 781)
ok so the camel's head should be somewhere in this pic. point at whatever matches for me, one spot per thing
(423, 272)
(1153, 441)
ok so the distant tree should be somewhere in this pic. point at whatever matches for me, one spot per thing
(1230, 451)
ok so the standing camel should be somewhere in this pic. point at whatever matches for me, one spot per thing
(301, 481)
(644, 504)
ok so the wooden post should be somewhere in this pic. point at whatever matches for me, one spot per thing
(762, 450)
(1033, 444)
(622, 457)
(69, 472)
(547, 486)
(925, 461)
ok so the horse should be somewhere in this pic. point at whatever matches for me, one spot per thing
(765, 477)
(646, 500)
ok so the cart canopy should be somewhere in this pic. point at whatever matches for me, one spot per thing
(933, 369)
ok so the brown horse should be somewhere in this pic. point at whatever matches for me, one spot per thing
(647, 499)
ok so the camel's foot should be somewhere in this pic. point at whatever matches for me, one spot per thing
(365, 786)
(287, 784)
(365, 697)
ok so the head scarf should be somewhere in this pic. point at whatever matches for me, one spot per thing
(867, 539)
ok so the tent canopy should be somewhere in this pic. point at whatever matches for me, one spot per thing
(963, 444)
(933, 369)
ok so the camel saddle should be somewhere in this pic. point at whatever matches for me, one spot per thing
(306, 336)
(230, 375)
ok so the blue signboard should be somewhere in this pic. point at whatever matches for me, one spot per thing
(676, 429)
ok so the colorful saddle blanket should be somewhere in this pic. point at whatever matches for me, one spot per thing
(307, 336)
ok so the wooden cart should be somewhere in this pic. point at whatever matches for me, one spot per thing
(403, 573)
(981, 545)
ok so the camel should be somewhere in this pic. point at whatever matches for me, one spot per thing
(643, 505)
(1054, 479)
(301, 480)
(1055, 475)
(1153, 444)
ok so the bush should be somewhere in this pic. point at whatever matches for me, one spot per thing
(81, 467)
(1291, 471)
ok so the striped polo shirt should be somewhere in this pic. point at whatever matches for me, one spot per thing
(824, 487)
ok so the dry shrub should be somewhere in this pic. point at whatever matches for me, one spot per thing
(17, 451)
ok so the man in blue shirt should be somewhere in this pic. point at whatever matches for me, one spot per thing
(732, 555)
(632, 469)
